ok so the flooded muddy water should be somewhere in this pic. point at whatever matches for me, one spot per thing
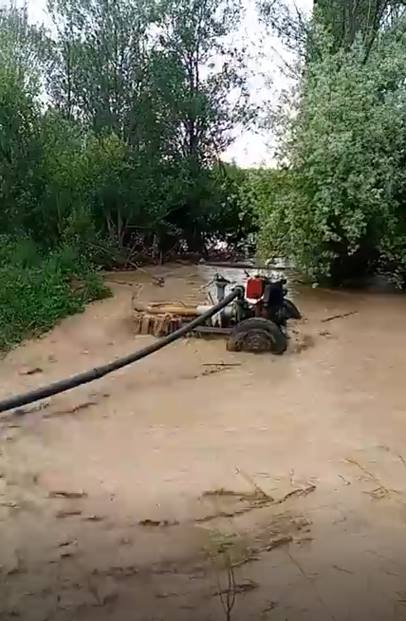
(151, 493)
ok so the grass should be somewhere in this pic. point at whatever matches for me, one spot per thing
(37, 291)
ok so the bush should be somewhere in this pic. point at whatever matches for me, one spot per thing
(35, 295)
(22, 253)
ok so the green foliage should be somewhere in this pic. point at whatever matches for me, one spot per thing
(36, 292)
(139, 113)
(349, 19)
(345, 21)
(340, 209)
(120, 154)
(22, 253)
(233, 215)
(25, 50)
(19, 152)
(149, 83)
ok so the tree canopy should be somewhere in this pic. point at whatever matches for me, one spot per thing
(112, 128)
(119, 120)
(341, 209)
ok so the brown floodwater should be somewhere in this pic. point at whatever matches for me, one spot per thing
(142, 495)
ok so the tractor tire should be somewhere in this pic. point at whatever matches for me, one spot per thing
(291, 310)
(257, 336)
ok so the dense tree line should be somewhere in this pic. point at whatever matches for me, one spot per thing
(113, 123)
(113, 127)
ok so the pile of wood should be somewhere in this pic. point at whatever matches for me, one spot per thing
(156, 325)
(160, 319)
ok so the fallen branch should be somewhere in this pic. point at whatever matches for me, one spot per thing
(67, 494)
(237, 588)
(157, 280)
(254, 506)
(30, 410)
(301, 491)
(118, 571)
(278, 542)
(341, 316)
(381, 491)
(257, 499)
(73, 410)
(402, 459)
(222, 364)
(158, 523)
(68, 513)
(257, 488)
(33, 371)
(248, 559)
(68, 542)
(343, 569)
(369, 474)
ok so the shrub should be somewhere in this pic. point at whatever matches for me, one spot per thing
(35, 295)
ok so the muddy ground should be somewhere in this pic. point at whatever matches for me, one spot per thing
(159, 490)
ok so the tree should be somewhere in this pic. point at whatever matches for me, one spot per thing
(24, 48)
(211, 97)
(290, 24)
(195, 35)
(142, 97)
(341, 210)
(108, 78)
(100, 61)
(23, 56)
(344, 19)
(348, 19)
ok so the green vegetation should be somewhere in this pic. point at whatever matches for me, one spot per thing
(36, 291)
(110, 136)
(125, 152)
(340, 211)
(113, 123)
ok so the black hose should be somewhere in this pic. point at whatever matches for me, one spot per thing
(99, 372)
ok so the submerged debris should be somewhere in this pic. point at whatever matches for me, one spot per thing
(278, 542)
(158, 523)
(301, 491)
(241, 587)
(67, 494)
(68, 513)
(72, 410)
(340, 316)
(33, 371)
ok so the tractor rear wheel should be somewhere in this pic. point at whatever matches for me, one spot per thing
(258, 336)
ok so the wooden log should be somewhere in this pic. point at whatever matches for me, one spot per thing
(165, 308)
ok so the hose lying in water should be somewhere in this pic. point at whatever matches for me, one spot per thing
(98, 372)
